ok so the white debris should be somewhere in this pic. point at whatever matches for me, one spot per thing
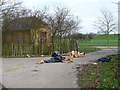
(95, 63)
(28, 55)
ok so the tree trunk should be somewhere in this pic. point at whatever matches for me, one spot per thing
(53, 39)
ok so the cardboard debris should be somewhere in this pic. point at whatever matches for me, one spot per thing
(68, 59)
(41, 62)
(76, 54)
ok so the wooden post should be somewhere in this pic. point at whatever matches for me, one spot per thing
(12, 49)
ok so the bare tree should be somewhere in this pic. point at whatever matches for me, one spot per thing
(7, 7)
(106, 23)
(41, 14)
(62, 23)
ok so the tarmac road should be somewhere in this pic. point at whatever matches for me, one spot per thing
(25, 73)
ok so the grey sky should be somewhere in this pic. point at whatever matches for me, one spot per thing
(87, 10)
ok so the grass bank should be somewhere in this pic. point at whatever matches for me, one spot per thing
(98, 40)
(100, 75)
(88, 48)
(101, 40)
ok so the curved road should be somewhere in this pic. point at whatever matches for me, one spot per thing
(25, 73)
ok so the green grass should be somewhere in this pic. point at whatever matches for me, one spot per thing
(102, 75)
(87, 48)
(101, 40)
(111, 36)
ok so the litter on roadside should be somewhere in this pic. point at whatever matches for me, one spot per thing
(76, 54)
(68, 58)
(104, 59)
(56, 57)
(95, 63)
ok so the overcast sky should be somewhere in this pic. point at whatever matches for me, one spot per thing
(87, 10)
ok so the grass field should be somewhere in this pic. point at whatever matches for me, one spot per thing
(100, 75)
(88, 48)
(101, 40)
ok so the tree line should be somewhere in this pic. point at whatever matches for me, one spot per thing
(64, 26)
(62, 23)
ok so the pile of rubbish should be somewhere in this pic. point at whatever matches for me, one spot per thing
(68, 58)
(56, 57)
(76, 54)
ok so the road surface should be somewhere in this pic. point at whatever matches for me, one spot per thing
(25, 73)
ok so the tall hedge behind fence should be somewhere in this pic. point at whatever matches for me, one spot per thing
(22, 47)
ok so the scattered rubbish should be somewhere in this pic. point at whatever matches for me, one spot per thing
(68, 61)
(68, 58)
(56, 57)
(35, 70)
(104, 59)
(42, 55)
(41, 62)
(76, 54)
(28, 55)
(95, 63)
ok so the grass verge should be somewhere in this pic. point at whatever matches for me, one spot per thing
(88, 48)
(100, 75)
